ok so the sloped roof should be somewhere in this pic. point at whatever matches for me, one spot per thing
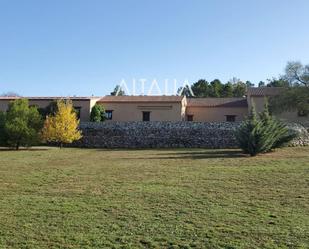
(217, 102)
(47, 98)
(264, 91)
(131, 99)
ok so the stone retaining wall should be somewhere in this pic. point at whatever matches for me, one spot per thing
(162, 135)
(303, 134)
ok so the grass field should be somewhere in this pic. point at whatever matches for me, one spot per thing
(73, 198)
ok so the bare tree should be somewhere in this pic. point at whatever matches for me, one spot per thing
(296, 73)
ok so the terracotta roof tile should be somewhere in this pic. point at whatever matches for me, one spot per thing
(141, 99)
(48, 98)
(264, 91)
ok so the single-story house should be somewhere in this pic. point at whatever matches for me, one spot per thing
(167, 108)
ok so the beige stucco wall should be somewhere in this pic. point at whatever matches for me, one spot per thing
(285, 116)
(4, 105)
(169, 111)
(85, 105)
(257, 101)
(216, 114)
(183, 108)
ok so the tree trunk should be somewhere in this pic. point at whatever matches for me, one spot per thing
(61, 145)
(17, 146)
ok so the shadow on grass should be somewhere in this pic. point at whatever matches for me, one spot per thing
(5, 149)
(195, 155)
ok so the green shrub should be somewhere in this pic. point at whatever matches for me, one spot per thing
(262, 133)
(97, 113)
(3, 134)
(22, 124)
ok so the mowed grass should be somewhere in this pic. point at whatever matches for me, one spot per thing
(92, 198)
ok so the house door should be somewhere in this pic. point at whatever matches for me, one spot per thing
(146, 116)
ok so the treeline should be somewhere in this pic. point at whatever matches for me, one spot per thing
(215, 89)
(233, 88)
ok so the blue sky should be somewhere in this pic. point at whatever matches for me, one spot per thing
(74, 47)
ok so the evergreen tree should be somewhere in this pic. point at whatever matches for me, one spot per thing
(248, 134)
(118, 91)
(97, 113)
(22, 124)
(215, 88)
(279, 132)
(227, 90)
(262, 133)
(200, 89)
(249, 84)
(240, 89)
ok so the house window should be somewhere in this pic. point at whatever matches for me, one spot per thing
(77, 110)
(189, 117)
(146, 116)
(109, 114)
(230, 118)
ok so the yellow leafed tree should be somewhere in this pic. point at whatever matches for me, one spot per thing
(62, 128)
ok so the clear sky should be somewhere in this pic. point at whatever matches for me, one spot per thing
(85, 47)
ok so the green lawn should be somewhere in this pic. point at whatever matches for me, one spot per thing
(91, 198)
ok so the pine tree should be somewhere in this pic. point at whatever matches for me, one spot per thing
(62, 128)
(248, 134)
(227, 90)
(262, 133)
(97, 113)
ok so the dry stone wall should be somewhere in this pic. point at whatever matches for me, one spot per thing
(162, 135)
